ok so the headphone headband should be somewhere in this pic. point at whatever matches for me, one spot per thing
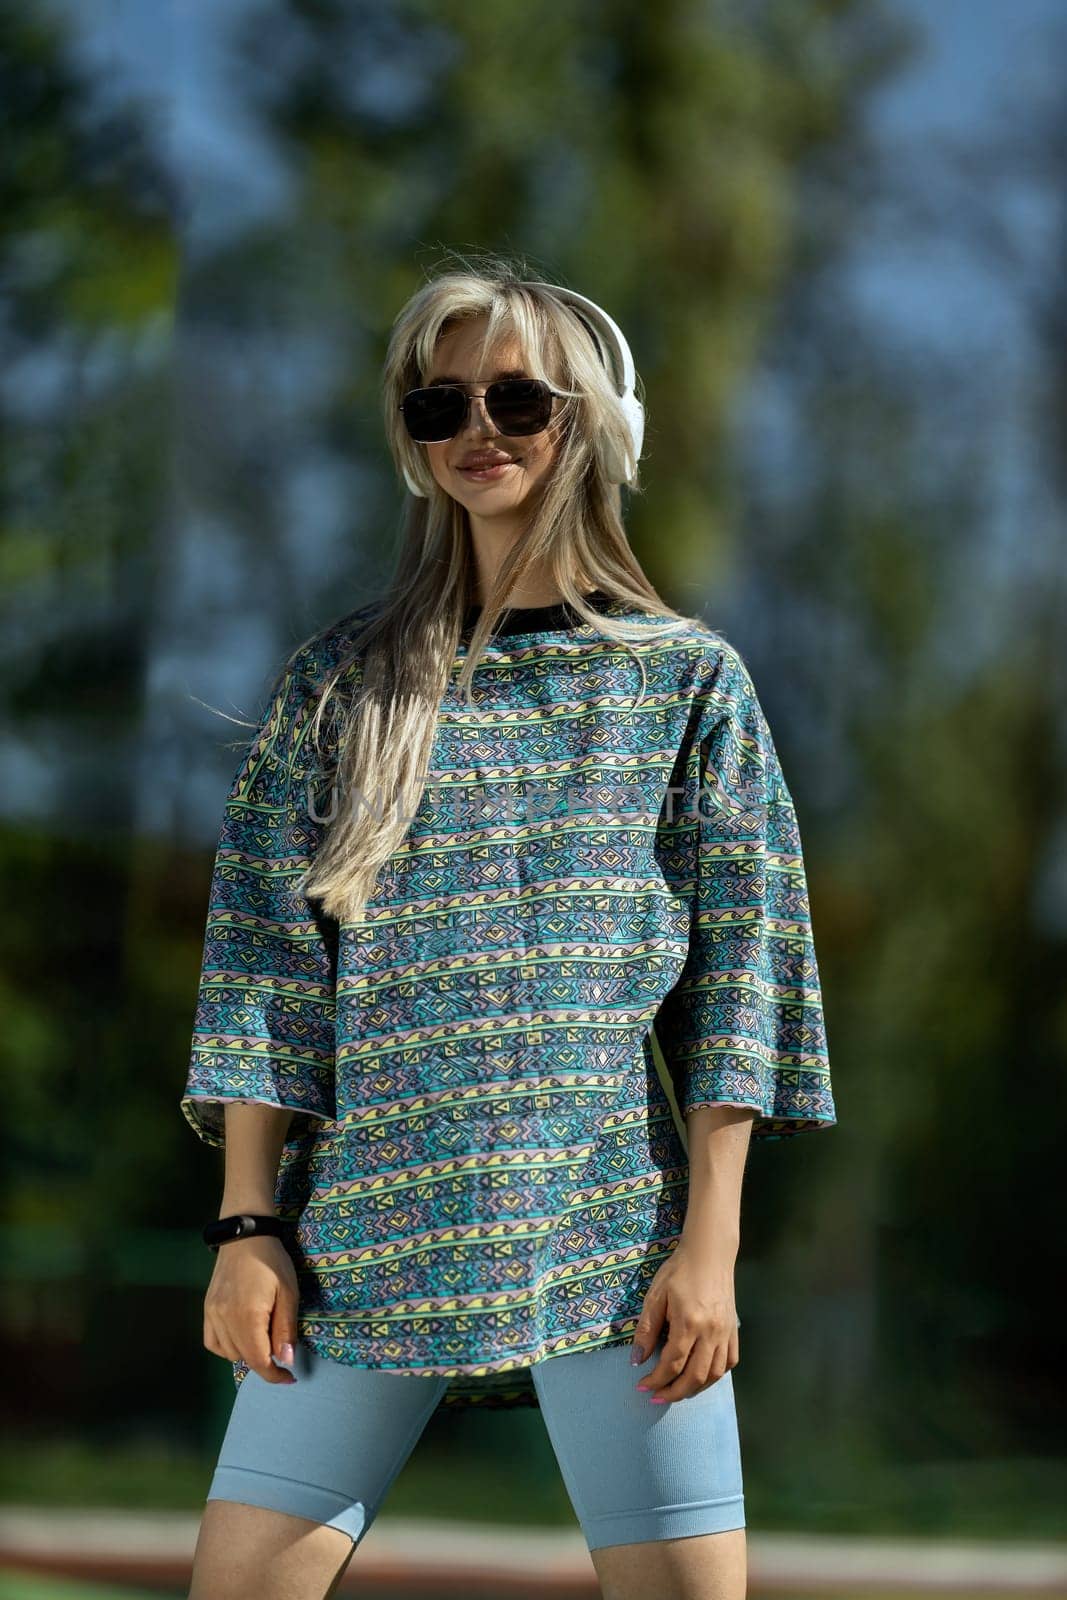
(626, 376)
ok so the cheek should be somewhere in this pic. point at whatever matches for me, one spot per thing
(538, 458)
(436, 460)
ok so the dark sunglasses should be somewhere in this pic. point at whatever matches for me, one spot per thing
(517, 406)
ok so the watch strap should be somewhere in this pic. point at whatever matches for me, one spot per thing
(241, 1225)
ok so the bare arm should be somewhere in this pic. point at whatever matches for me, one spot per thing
(250, 1309)
(719, 1137)
(255, 1135)
(692, 1294)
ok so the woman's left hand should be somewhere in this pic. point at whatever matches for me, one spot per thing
(694, 1294)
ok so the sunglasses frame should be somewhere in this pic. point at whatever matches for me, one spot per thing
(554, 394)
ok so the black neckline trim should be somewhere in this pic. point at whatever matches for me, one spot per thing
(557, 618)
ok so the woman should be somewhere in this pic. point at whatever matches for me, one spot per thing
(492, 833)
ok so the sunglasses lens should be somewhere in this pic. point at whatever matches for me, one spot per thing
(433, 414)
(519, 406)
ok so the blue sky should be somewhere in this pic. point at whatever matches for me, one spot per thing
(979, 55)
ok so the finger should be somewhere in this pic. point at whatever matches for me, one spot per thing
(706, 1365)
(649, 1328)
(217, 1340)
(668, 1368)
(283, 1327)
(255, 1349)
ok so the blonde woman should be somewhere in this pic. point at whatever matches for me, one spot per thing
(495, 831)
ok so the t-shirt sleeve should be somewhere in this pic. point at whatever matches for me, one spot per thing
(743, 1025)
(264, 1025)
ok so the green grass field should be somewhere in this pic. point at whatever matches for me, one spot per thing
(19, 1586)
(1011, 1499)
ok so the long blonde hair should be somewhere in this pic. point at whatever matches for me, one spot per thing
(408, 646)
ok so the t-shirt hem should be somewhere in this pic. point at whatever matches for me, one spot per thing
(474, 1383)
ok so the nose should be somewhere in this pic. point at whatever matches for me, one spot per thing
(478, 418)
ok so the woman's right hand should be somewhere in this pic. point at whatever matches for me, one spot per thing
(251, 1305)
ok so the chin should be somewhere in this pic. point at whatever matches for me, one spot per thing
(489, 505)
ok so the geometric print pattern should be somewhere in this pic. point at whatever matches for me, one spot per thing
(483, 1167)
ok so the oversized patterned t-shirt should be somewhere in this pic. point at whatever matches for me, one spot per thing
(484, 1168)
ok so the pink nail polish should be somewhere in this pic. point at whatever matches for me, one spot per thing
(642, 1388)
(659, 1400)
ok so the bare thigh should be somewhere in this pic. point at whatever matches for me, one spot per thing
(250, 1553)
(707, 1566)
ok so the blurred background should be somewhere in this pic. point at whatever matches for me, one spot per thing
(835, 233)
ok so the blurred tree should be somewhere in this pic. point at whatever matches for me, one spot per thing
(87, 263)
(906, 577)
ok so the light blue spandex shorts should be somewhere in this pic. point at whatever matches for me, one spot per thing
(329, 1446)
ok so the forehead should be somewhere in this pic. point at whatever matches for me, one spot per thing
(456, 357)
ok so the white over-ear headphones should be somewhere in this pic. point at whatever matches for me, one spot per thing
(605, 332)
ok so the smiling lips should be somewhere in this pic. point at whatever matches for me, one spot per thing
(479, 462)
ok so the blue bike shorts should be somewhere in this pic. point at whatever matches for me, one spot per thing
(329, 1447)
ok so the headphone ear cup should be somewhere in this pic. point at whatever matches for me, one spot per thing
(623, 471)
(635, 416)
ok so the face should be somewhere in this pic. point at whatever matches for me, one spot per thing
(503, 490)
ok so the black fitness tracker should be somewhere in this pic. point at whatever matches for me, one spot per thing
(239, 1227)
